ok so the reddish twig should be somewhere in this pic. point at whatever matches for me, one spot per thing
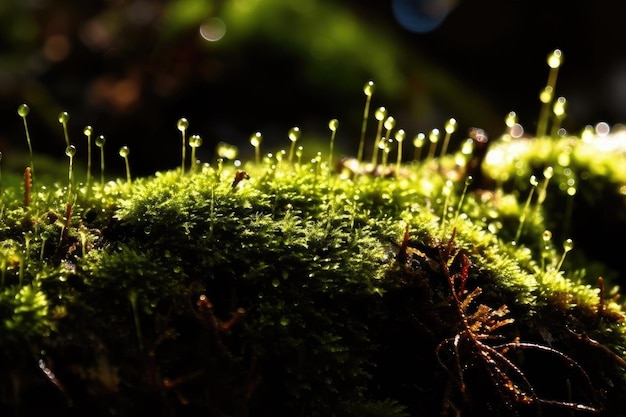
(28, 186)
(469, 347)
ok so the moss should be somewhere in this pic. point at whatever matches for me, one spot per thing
(305, 289)
(587, 182)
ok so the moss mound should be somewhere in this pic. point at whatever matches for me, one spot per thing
(290, 288)
(462, 284)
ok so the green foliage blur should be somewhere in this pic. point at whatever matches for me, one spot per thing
(132, 68)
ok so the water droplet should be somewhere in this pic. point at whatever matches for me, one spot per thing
(256, 138)
(182, 124)
(511, 119)
(333, 125)
(548, 172)
(23, 110)
(147, 230)
(124, 151)
(568, 245)
(275, 283)
(533, 181)
(451, 125)
(419, 139)
(369, 88)
(555, 59)
(294, 134)
(434, 136)
(195, 141)
(546, 95)
(559, 107)
(284, 321)
(400, 135)
(64, 117)
(547, 236)
(587, 133)
(70, 151)
(100, 141)
(87, 131)
(390, 122)
(380, 113)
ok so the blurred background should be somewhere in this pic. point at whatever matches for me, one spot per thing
(132, 68)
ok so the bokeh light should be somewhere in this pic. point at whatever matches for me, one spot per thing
(213, 29)
(420, 15)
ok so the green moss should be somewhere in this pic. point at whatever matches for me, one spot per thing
(587, 183)
(300, 290)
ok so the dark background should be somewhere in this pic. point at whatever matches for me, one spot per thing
(132, 68)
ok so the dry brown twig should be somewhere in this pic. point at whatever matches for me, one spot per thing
(475, 345)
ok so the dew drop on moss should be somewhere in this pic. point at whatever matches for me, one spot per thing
(284, 321)
(494, 227)
(23, 110)
(64, 117)
(275, 282)
(369, 88)
(182, 124)
(124, 151)
(70, 151)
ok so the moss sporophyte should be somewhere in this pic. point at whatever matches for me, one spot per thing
(382, 285)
